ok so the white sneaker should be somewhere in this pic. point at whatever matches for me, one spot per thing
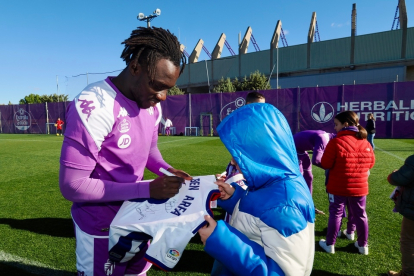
(349, 236)
(362, 250)
(339, 234)
(328, 248)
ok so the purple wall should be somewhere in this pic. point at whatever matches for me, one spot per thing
(304, 108)
(30, 118)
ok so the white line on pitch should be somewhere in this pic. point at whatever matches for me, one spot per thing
(389, 153)
(33, 267)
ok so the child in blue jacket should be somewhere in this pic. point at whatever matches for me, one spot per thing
(271, 231)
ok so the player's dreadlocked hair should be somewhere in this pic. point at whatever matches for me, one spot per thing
(146, 46)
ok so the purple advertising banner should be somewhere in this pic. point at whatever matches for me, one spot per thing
(392, 105)
(403, 110)
(304, 108)
(31, 118)
(317, 107)
(175, 108)
(285, 100)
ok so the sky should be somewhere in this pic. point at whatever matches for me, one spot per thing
(50, 46)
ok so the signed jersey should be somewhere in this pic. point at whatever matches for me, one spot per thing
(169, 223)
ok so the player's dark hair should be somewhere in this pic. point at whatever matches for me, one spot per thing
(146, 46)
(352, 119)
(254, 97)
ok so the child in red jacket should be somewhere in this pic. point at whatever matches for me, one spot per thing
(349, 157)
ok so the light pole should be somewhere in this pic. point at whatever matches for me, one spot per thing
(142, 17)
(277, 67)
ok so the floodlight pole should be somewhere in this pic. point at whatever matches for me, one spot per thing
(277, 67)
(142, 17)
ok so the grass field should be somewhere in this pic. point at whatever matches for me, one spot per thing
(37, 233)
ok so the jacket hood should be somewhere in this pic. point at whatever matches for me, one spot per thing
(259, 139)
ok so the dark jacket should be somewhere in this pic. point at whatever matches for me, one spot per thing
(370, 126)
(404, 178)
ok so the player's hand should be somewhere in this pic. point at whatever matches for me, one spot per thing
(226, 190)
(180, 173)
(165, 186)
(206, 230)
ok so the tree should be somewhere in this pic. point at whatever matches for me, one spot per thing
(175, 91)
(52, 98)
(238, 85)
(30, 99)
(224, 85)
(256, 81)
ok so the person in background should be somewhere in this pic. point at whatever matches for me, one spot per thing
(271, 231)
(111, 137)
(168, 124)
(315, 140)
(370, 127)
(255, 97)
(349, 157)
(404, 179)
(59, 123)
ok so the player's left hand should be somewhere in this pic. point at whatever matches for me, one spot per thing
(180, 173)
(206, 230)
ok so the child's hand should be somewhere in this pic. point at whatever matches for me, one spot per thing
(206, 230)
(226, 190)
(221, 177)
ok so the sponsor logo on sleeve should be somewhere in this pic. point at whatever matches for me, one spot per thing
(173, 255)
(86, 107)
(124, 141)
(124, 126)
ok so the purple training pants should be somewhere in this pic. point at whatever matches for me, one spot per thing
(357, 217)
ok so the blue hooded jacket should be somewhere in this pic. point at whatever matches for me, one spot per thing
(272, 225)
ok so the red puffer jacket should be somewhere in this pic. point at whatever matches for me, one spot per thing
(348, 160)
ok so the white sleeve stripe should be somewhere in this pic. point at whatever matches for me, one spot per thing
(100, 119)
(158, 105)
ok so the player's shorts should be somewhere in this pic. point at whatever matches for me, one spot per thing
(92, 257)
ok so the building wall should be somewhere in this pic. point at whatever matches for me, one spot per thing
(381, 75)
(331, 53)
(373, 51)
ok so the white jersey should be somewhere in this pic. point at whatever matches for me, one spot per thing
(168, 123)
(169, 223)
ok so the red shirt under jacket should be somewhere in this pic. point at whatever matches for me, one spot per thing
(349, 160)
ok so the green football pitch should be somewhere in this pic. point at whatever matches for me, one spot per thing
(37, 232)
